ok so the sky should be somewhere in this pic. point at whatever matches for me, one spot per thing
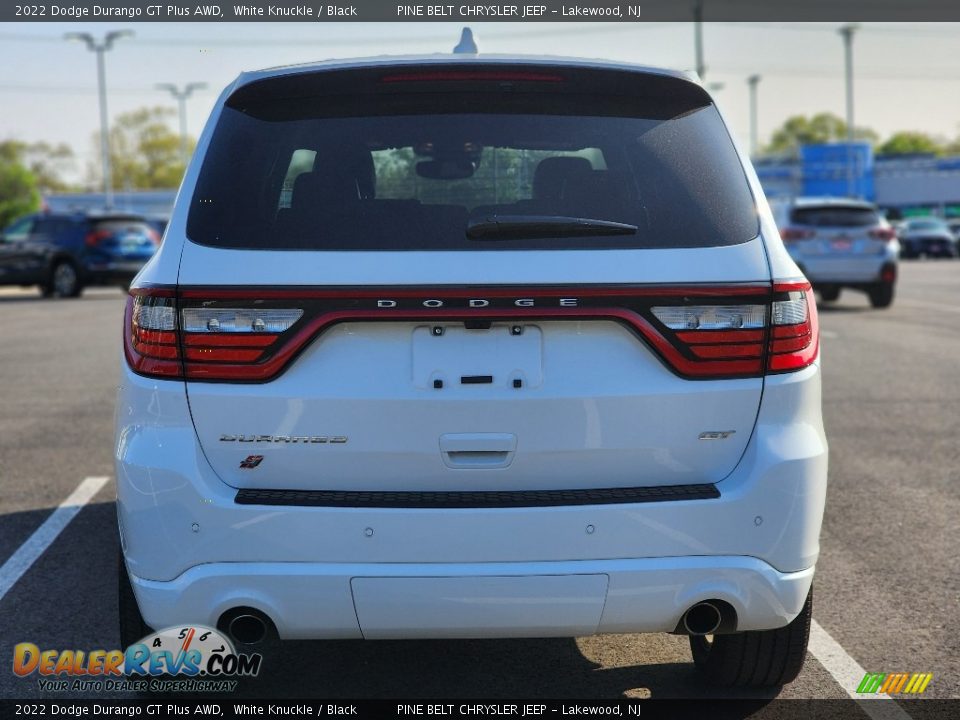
(907, 76)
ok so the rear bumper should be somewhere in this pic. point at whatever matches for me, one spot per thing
(939, 249)
(823, 270)
(113, 272)
(194, 552)
(558, 599)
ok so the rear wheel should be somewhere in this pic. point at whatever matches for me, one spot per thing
(132, 625)
(64, 280)
(756, 658)
(830, 294)
(881, 295)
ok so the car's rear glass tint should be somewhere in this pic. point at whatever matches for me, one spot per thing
(835, 216)
(926, 225)
(120, 226)
(412, 171)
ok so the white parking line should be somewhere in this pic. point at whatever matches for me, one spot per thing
(848, 674)
(18, 563)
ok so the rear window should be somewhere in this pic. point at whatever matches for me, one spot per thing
(834, 216)
(117, 226)
(414, 174)
(926, 225)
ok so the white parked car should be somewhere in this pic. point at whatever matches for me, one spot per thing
(473, 347)
(841, 243)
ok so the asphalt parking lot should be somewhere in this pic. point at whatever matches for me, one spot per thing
(888, 579)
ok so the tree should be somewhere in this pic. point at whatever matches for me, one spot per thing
(18, 187)
(49, 163)
(820, 128)
(907, 142)
(144, 151)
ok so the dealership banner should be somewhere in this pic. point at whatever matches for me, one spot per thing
(534, 11)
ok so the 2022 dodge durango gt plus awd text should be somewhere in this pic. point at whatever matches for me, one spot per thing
(467, 348)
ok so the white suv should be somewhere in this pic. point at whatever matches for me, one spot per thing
(473, 347)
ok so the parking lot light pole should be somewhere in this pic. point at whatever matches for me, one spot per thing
(181, 95)
(698, 38)
(100, 48)
(753, 81)
(847, 32)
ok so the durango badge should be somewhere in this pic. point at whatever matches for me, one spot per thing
(302, 439)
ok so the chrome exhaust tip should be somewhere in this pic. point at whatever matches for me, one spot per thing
(702, 619)
(247, 629)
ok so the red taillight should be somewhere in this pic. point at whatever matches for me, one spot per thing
(793, 234)
(795, 329)
(699, 332)
(150, 339)
(885, 234)
(163, 339)
(154, 236)
(715, 340)
(94, 237)
(775, 333)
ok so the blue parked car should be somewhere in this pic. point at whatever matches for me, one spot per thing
(65, 252)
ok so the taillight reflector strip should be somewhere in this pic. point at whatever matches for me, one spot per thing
(713, 352)
(231, 340)
(699, 332)
(226, 355)
(719, 336)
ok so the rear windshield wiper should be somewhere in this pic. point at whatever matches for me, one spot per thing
(510, 227)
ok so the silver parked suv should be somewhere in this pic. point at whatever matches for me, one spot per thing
(841, 243)
(473, 347)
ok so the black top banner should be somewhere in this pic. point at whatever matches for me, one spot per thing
(178, 706)
(534, 11)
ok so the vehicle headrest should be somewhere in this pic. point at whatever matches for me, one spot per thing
(552, 174)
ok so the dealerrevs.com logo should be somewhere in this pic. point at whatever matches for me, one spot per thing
(178, 659)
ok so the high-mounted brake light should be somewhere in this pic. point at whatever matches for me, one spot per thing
(472, 75)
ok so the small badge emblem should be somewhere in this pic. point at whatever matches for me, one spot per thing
(251, 462)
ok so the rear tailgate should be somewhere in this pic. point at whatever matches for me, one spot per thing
(358, 408)
(344, 329)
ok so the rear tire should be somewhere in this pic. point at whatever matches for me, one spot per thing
(881, 295)
(132, 625)
(756, 658)
(830, 294)
(64, 281)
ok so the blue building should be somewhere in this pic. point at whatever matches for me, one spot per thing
(903, 185)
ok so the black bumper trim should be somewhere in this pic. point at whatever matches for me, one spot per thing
(476, 499)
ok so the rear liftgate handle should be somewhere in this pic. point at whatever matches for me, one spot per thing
(477, 450)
